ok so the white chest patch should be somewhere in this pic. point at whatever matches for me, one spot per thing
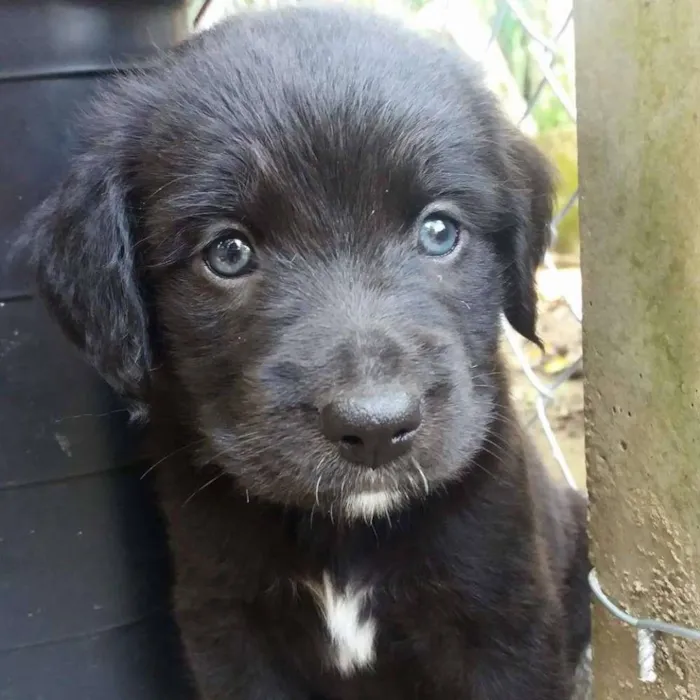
(351, 634)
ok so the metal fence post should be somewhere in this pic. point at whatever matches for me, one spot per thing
(639, 156)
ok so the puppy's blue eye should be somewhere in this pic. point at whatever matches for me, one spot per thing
(438, 235)
(230, 256)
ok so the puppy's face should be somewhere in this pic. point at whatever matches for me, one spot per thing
(310, 221)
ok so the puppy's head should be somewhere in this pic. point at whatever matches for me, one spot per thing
(304, 227)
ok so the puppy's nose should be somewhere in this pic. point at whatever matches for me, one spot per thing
(372, 429)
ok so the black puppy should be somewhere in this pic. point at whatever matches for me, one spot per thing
(290, 246)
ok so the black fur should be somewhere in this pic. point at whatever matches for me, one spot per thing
(327, 133)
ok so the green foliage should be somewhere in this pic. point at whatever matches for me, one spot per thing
(559, 145)
(514, 42)
(415, 5)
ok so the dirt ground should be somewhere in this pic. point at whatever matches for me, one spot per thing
(561, 333)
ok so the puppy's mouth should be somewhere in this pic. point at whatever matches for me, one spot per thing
(322, 481)
(369, 494)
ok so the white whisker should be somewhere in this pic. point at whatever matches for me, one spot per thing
(201, 488)
(171, 454)
(415, 463)
(318, 487)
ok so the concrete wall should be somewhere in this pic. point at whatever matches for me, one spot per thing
(638, 68)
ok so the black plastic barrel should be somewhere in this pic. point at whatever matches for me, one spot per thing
(84, 580)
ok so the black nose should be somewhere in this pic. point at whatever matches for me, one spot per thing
(372, 429)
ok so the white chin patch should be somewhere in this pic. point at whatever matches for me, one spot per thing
(373, 504)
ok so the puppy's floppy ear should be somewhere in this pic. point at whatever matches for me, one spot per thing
(81, 246)
(529, 181)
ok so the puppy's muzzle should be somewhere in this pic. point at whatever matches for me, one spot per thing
(372, 428)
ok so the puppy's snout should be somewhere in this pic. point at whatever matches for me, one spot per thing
(372, 429)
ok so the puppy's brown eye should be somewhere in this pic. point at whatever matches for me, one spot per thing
(230, 256)
(438, 236)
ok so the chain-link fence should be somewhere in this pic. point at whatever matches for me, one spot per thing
(544, 51)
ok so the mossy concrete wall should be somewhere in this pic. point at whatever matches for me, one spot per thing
(638, 69)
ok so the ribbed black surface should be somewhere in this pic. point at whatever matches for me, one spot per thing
(83, 561)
